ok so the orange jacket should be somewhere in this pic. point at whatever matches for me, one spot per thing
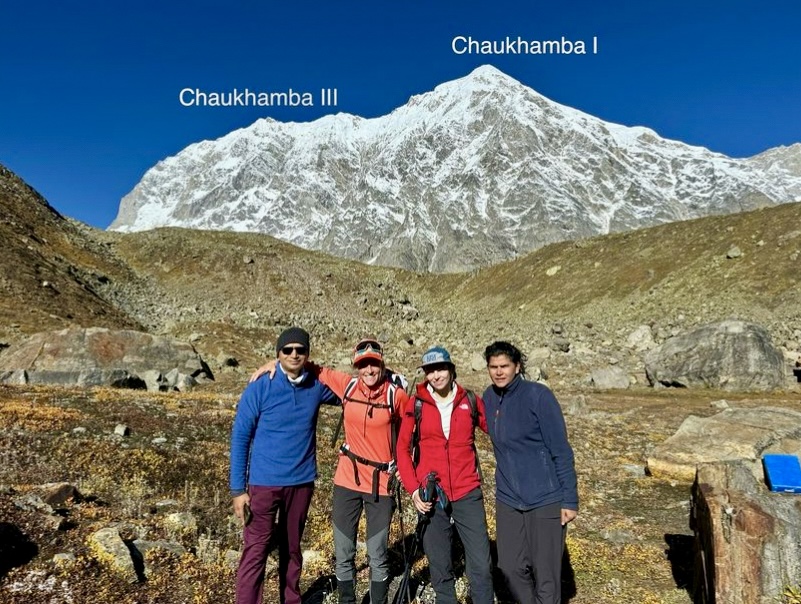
(368, 431)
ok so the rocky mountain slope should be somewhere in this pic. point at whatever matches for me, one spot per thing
(231, 293)
(51, 272)
(479, 170)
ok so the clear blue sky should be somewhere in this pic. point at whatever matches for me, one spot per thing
(89, 90)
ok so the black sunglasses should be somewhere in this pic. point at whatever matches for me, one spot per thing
(301, 350)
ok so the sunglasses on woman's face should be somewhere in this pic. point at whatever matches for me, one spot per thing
(368, 345)
(301, 350)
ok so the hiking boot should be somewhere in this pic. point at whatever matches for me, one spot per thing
(347, 595)
(379, 591)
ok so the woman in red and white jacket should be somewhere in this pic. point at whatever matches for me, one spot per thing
(445, 446)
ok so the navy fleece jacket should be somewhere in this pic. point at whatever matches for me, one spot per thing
(534, 461)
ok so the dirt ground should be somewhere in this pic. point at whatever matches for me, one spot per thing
(631, 542)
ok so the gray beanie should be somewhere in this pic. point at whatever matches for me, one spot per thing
(293, 335)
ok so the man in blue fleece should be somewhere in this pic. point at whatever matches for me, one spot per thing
(535, 478)
(273, 467)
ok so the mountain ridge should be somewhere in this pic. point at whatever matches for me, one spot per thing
(479, 170)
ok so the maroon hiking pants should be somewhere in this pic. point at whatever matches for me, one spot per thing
(279, 517)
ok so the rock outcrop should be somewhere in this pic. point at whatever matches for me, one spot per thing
(729, 435)
(99, 357)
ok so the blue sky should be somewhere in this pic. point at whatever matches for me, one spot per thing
(89, 90)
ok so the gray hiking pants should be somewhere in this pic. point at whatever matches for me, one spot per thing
(471, 522)
(347, 510)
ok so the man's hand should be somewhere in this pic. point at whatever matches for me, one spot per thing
(268, 367)
(239, 505)
(568, 516)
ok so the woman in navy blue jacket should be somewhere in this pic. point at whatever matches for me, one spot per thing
(535, 478)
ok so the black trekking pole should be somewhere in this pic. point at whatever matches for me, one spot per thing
(404, 595)
(427, 493)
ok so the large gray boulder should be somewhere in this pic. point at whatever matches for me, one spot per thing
(98, 357)
(731, 355)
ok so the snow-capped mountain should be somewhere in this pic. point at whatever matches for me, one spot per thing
(479, 170)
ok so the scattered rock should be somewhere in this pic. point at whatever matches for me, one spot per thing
(181, 522)
(154, 381)
(64, 558)
(141, 547)
(734, 252)
(122, 430)
(574, 405)
(732, 355)
(56, 494)
(167, 503)
(641, 339)
(19, 377)
(159, 440)
(620, 536)
(477, 362)
(231, 558)
(560, 345)
(720, 404)
(553, 270)
(32, 502)
(110, 550)
(634, 470)
(609, 378)
(225, 360)
(57, 523)
(539, 355)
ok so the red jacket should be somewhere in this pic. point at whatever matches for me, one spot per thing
(454, 458)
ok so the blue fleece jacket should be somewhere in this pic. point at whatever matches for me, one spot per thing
(273, 438)
(534, 461)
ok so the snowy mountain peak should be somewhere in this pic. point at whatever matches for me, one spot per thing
(478, 170)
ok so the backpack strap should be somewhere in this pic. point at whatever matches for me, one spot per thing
(346, 395)
(471, 398)
(418, 415)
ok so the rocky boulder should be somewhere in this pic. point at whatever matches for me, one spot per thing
(731, 355)
(98, 357)
(609, 378)
(729, 435)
